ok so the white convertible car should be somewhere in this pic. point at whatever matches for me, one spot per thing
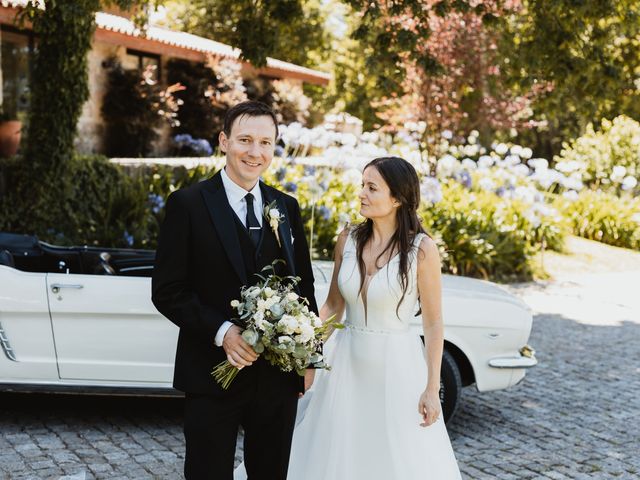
(81, 319)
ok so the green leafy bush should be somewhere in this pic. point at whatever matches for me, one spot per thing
(134, 108)
(603, 217)
(96, 203)
(480, 237)
(608, 159)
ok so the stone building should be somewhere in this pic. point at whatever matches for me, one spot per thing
(117, 36)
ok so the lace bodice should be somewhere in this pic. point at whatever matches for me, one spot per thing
(375, 309)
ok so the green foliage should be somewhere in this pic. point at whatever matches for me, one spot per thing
(198, 116)
(59, 85)
(582, 57)
(604, 217)
(285, 29)
(605, 158)
(134, 108)
(96, 204)
(480, 238)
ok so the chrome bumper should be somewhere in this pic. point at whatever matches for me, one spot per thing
(526, 359)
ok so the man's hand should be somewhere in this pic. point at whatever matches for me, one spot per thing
(239, 353)
(309, 376)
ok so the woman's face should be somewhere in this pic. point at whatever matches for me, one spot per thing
(375, 197)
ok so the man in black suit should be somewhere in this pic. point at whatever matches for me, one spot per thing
(212, 242)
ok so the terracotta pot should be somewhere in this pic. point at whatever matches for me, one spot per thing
(9, 137)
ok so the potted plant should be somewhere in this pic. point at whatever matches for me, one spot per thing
(10, 130)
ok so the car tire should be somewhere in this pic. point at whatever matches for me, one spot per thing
(450, 386)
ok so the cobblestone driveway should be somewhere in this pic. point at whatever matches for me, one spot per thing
(576, 415)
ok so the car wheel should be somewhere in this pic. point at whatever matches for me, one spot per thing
(450, 386)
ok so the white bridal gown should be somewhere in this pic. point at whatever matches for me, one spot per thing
(361, 421)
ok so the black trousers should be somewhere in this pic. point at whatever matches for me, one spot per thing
(266, 410)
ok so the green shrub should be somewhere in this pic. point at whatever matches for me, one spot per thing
(604, 217)
(607, 157)
(133, 109)
(476, 238)
(94, 203)
(198, 116)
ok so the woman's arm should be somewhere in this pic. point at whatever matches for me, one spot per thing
(335, 304)
(430, 289)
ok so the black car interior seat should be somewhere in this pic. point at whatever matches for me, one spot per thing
(7, 259)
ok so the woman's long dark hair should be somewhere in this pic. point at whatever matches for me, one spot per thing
(404, 185)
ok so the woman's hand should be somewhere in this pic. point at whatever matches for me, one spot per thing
(309, 375)
(429, 407)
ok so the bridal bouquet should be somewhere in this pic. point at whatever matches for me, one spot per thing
(278, 325)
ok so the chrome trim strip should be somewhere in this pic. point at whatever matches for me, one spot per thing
(131, 269)
(6, 346)
(513, 362)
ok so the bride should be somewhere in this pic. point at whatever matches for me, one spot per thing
(376, 414)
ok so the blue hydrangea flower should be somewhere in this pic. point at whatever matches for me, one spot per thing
(280, 173)
(324, 212)
(290, 187)
(128, 238)
(156, 201)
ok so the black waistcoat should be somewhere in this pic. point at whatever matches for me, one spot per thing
(268, 250)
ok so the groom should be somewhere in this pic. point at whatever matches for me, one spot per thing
(213, 241)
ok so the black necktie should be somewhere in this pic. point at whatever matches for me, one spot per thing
(252, 222)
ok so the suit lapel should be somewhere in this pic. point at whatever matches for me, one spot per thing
(221, 215)
(284, 229)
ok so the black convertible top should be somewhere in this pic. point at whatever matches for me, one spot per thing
(29, 254)
(20, 244)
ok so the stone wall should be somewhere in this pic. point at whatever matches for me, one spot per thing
(91, 127)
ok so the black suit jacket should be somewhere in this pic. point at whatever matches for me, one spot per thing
(200, 269)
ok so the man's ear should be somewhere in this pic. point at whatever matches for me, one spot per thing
(223, 141)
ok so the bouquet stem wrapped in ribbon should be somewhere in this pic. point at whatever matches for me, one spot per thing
(279, 326)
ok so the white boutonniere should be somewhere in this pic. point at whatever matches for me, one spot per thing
(275, 218)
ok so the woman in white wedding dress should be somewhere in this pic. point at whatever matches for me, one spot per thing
(376, 414)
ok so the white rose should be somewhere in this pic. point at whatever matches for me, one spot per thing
(306, 333)
(292, 296)
(268, 292)
(288, 324)
(253, 292)
(274, 214)
(235, 303)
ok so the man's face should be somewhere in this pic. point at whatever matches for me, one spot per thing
(249, 148)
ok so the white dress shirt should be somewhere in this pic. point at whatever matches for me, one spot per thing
(235, 196)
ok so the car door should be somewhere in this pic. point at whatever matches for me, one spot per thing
(107, 329)
(27, 353)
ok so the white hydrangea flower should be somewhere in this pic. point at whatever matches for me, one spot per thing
(501, 149)
(430, 190)
(629, 183)
(487, 183)
(618, 173)
(469, 164)
(485, 161)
